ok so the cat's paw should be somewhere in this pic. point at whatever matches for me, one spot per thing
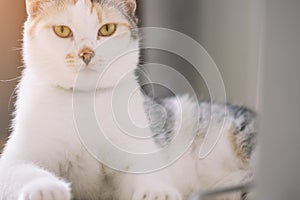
(156, 193)
(46, 189)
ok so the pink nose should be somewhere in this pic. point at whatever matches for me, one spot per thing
(86, 54)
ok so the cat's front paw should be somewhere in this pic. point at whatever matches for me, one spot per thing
(156, 193)
(46, 189)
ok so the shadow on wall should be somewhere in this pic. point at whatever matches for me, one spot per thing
(12, 16)
(175, 15)
(229, 30)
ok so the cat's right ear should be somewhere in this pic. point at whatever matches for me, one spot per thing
(33, 7)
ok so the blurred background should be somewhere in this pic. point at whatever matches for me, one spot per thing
(12, 17)
(229, 30)
(255, 44)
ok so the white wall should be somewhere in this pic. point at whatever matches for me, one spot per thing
(280, 102)
(230, 31)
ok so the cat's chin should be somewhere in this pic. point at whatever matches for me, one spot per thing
(87, 80)
(83, 80)
(80, 88)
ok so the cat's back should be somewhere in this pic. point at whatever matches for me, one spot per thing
(202, 117)
(232, 128)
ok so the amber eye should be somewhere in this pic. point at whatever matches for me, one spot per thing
(63, 31)
(107, 30)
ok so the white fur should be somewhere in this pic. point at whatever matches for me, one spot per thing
(44, 158)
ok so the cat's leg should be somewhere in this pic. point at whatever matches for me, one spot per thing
(155, 190)
(148, 187)
(20, 181)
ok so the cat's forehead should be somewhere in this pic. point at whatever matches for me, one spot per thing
(90, 11)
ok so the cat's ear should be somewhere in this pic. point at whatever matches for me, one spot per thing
(128, 5)
(33, 7)
(131, 6)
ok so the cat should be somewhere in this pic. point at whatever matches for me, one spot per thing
(44, 157)
(233, 159)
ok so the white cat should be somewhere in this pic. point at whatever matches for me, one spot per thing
(45, 159)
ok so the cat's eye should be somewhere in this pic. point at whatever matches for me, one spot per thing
(63, 31)
(107, 30)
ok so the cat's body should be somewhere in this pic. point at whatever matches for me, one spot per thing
(231, 160)
(56, 148)
(44, 157)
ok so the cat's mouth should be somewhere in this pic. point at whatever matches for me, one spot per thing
(92, 66)
(88, 69)
(83, 67)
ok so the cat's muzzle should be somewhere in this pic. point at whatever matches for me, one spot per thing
(87, 56)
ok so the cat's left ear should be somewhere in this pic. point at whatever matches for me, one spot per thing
(131, 6)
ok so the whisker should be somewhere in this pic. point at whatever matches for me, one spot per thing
(12, 96)
(16, 49)
(10, 80)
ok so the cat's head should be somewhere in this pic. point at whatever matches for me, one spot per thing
(65, 37)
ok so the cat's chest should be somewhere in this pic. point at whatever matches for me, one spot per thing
(85, 173)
